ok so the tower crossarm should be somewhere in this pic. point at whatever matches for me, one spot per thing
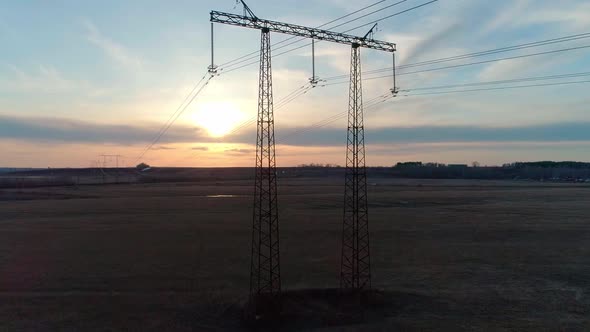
(300, 31)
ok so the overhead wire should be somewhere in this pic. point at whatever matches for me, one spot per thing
(515, 80)
(302, 39)
(475, 54)
(305, 45)
(293, 97)
(280, 104)
(293, 37)
(501, 88)
(380, 99)
(469, 64)
(295, 94)
(179, 111)
(298, 92)
(372, 106)
(283, 102)
(329, 120)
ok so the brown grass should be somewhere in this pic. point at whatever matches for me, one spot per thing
(450, 255)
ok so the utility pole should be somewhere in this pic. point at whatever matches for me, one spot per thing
(265, 265)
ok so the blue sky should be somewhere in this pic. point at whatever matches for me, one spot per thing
(78, 79)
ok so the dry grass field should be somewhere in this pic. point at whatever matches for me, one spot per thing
(451, 255)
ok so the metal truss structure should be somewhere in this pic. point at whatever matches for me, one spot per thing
(265, 269)
(355, 267)
(265, 277)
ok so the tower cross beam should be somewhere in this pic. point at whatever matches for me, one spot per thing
(301, 31)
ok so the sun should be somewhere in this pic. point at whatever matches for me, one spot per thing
(218, 118)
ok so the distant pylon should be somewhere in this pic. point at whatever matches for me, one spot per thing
(355, 269)
(265, 271)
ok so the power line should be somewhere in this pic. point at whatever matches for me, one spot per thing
(156, 137)
(335, 117)
(293, 37)
(368, 14)
(476, 63)
(392, 15)
(472, 63)
(480, 62)
(282, 103)
(325, 122)
(305, 45)
(476, 54)
(301, 39)
(174, 117)
(516, 80)
(501, 88)
(293, 97)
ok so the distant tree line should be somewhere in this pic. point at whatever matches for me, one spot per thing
(314, 165)
(541, 170)
(550, 164)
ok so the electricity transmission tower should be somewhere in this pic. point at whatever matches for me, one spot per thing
(104, 164)
(355, 264)
(265, 279)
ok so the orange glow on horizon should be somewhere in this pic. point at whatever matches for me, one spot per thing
(218, 118)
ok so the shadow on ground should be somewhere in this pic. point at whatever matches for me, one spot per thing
(306, 309)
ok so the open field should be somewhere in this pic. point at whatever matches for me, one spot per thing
(452, 254)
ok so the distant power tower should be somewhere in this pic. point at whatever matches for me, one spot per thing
(265, 277)
(108, 157)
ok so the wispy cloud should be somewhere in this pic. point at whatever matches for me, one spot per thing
(162, 147)
(506, 16)
(574, 15)
(76, 131)
(44, 79)
(239, 151)
(116, 51)
(421, 47)
(551, 132)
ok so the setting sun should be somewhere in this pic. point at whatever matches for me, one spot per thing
(218, 118)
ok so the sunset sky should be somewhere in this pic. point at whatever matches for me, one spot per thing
(79, 79)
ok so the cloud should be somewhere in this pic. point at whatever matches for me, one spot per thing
(114, 50)
(506, 69)
(350, 5)
(239, 151)
(540, 63)
(507, 16)
(573, 14)
(75, 131)
(421, 47)
(161, 147)
(550, 132)
(44, 79)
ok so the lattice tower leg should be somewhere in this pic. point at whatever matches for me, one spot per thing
(355, 269)
(265, 272)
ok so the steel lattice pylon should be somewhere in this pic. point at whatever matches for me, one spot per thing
(265, 276)
(265, 266)
(355, 270)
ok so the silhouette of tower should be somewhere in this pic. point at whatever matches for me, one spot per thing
(265, 271)
(355, 269)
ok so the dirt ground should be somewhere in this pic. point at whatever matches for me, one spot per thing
(451, 255)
